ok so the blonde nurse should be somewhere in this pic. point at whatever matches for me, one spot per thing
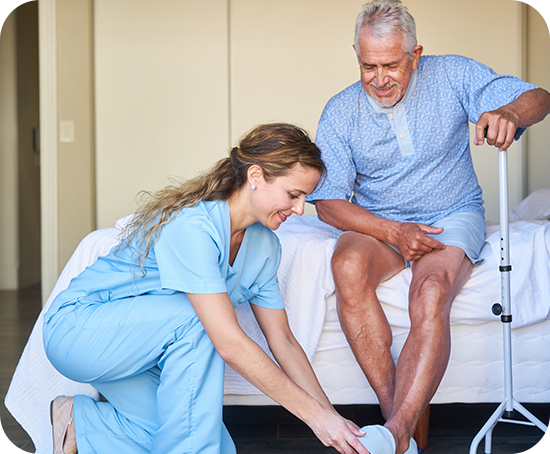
(151, 324)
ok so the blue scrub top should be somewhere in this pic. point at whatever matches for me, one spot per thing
(191, 255)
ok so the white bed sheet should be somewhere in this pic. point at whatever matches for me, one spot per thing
(308, 289)
(307, 285)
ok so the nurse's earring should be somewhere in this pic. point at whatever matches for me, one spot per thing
(254, 176)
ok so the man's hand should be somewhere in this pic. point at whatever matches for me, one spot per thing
(499, 126)
(412, 241)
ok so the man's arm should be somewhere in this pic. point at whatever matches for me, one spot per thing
(529, 108)
(409, 238)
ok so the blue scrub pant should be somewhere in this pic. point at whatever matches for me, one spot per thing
(150, 357)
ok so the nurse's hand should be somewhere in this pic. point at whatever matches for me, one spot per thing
(247, 358)
(335, 431)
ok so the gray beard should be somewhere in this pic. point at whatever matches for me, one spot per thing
(387, 103)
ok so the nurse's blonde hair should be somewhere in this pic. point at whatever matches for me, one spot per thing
(275, 147)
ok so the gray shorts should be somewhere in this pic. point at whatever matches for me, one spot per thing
(465, 230)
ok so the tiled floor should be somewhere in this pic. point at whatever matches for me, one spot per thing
(266, 430)
(18, 312)
(452, 428)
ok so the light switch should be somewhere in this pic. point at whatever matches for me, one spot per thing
(66, 131)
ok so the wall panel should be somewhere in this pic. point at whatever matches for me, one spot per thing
(538, 73)
(161, 95)
(9, 240)
(288, 58)
(76, 151)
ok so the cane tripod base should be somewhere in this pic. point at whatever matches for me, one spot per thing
(487, 430)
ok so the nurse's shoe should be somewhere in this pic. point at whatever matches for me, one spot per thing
(378, 440)
(61, 417)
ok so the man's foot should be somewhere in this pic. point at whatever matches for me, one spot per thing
(378, 440)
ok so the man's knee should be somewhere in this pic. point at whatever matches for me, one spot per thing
(429, 298)
(349, 265)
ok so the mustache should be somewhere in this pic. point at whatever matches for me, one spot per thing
(385, 86)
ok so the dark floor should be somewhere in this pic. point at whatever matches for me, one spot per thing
(266, 430)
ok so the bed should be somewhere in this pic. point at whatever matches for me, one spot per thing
(475, 372)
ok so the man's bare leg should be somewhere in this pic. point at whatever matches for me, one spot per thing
(437, 278)
(359, 264)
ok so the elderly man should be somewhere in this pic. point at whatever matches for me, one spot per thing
(402, 187)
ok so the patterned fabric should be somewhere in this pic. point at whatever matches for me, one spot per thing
(412, 162)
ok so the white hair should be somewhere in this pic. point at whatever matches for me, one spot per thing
(385, 18)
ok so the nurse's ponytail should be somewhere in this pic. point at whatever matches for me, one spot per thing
(275, 147)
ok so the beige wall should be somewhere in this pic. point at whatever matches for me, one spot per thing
(9, 258)
(538, 73)
(161, 72)
(172, 96)
(288, 58)
(75, 95)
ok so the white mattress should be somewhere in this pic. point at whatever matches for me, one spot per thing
(475, 373)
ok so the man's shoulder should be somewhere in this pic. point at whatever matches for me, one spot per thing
(444, 72)
(431, 62)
